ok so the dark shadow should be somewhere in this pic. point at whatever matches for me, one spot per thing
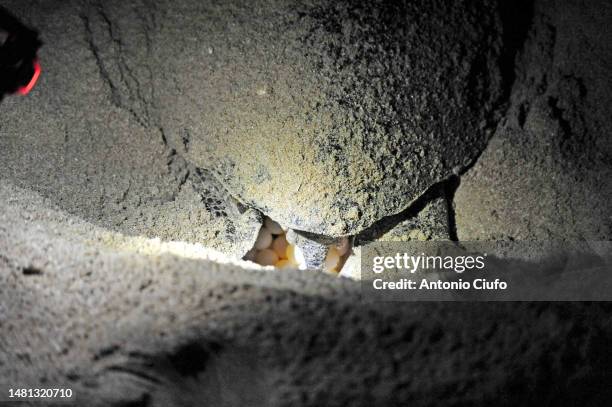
(18, 47)
(443, 189)
(450, 187)
(516, 18)
(196, 373)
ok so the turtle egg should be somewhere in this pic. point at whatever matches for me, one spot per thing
(264, 239)
(343, 246)
(273, 227)
(279, 245)
(266, 257)
(331, 260)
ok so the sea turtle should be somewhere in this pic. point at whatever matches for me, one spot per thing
(329, 115)
(325, 115)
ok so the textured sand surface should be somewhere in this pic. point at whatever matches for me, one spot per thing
(120, 327)
(77, 142)
(112, 207)
(546, 172)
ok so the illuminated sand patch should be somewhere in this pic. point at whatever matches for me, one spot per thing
(154, 247)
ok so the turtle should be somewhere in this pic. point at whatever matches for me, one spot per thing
(328, 116)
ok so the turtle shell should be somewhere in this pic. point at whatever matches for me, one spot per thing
(328, 115)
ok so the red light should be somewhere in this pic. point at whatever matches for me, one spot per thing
(24, 90)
